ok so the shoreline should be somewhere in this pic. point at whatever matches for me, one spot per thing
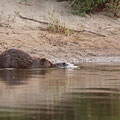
(98, 42)
(77, 48)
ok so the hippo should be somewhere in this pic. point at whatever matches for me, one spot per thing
(15, 58)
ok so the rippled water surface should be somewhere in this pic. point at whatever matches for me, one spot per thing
(91, 92)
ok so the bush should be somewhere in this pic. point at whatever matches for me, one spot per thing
(81, 7)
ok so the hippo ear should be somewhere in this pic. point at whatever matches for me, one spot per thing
(43, 59)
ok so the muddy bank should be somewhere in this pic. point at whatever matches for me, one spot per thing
(100, 41)
(79, 47)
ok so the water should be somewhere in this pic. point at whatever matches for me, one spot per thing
(91, 92)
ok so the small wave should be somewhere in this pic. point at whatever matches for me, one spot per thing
(69, 65)
(65, 65)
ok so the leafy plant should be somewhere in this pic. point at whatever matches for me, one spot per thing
(114, 7)
(81, 7)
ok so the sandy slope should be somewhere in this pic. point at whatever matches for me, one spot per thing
(27, 35)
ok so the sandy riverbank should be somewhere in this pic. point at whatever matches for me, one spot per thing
(27, 35)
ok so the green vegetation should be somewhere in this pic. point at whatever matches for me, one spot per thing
(81, 7)
(55, 25)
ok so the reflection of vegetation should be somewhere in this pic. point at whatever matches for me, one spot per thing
(19, 76)
(14, 77)
(82, 106)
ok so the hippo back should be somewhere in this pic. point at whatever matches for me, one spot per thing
(14, 58)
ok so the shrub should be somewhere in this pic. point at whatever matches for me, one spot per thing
(81, 7)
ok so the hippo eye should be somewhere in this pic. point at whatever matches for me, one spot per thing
(64, 64)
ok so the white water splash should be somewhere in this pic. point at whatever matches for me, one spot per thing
(69, 65)
(65, 65)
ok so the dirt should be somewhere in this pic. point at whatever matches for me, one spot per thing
(97, 41)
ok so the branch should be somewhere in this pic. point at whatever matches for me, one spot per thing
(46, 23)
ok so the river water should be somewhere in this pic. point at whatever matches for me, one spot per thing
(91, 92)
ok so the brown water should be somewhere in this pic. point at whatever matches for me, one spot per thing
(91, 92)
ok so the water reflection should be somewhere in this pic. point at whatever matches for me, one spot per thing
(89, 93)
(18, 77)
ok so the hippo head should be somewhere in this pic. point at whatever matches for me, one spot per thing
(44, 63)
(41, 63)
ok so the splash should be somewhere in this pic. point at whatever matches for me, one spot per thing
(65, 65)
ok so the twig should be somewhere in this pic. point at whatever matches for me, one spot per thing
(70, 4)
(46, 23)
(31, 19)
(90, 32)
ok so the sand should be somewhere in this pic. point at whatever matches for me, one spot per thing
(100, 41)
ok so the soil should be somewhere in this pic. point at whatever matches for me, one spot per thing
(23, 25)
